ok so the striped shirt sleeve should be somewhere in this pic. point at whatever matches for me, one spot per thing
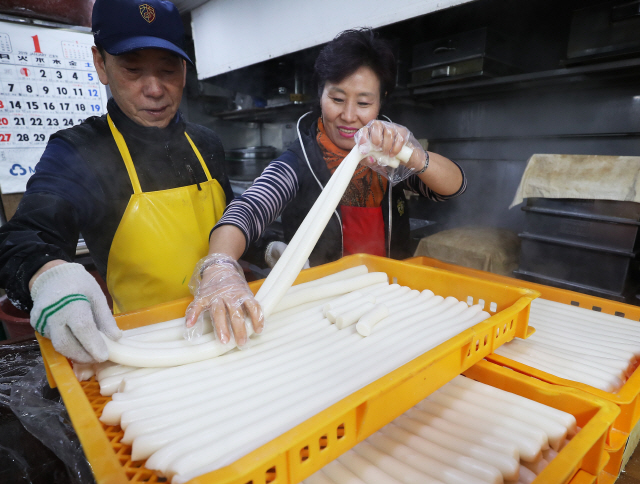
(254, 210)
(416, 185)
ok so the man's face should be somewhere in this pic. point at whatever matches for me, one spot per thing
(146, 84)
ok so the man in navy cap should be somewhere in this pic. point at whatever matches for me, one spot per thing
(142, 185)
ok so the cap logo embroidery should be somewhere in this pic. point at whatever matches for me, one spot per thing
(148, 12)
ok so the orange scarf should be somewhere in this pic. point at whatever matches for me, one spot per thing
(366, 188)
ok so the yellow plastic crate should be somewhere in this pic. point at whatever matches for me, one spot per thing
(627, 398)
(308, 447)
(584, 457)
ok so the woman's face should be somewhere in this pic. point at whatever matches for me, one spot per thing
(349, 105)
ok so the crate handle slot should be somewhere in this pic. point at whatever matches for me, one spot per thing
(304, 453)
(323, 442)
(270, 475)
(340, 431)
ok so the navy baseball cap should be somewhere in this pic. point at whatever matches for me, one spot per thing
(121, 26)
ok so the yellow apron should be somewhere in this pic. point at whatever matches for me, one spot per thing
(161, 237)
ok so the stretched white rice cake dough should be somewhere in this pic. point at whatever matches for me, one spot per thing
(549, 318)
(379, 289)
(148, 410)
(483, 439)
(587, 316)
(230, 399)
(83, 371)
(142, 357)
(562, 417)
(110, 385)
(526, 476)
(352, 316)
(302, 370)
(339, 474)
(578, 364)
(452, 458)
(333, 313)
(507, 465)
(320, 329)
(160, 345)
(193, 371)
(392, 466)
(336, 276)
(556, 432)
(429, 308)
(403, 298)
(179, 373)
(182, 462)
(528, 449)
(114, 409)
(331, 289)
(175, 333)
(304, 240)
(307, 223)
(276, 318)
(149, 358)
(607, 385)
(296, 336)
(400, 293)
(583, 347)
(576, 347)
(204, 450)
(372, 317)
(490, 416)
(536, 467)
(364, 469)
(345, 299)
(617, 367)
(172, 323)
(422, 462)
(112, 370)
(318, 477)
(583, 338)
(579, 376)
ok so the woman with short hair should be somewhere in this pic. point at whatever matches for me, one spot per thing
(355, 74)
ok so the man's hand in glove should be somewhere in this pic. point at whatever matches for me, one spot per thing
(70, 309)
(218, 285)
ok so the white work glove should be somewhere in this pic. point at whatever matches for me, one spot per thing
(69, 308)
(219, 286)
(384, 141)
(274, 251)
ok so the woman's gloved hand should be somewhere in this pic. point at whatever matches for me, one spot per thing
(219, 286)
(384, 141)
(69, 308)
(274, 251)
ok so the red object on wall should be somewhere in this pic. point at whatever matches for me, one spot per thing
(73, 12)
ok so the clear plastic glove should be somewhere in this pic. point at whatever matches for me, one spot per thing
(219, 288)
(385, 141)
(69, 308)
(274, 251)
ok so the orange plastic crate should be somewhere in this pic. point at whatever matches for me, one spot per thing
(627, 398)
(306, 448)
(584, 457)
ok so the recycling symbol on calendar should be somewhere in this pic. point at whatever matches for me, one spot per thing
(17, 170)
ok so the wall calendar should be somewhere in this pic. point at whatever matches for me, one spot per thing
(47, 83)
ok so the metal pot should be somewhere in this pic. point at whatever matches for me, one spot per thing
(246, 164)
